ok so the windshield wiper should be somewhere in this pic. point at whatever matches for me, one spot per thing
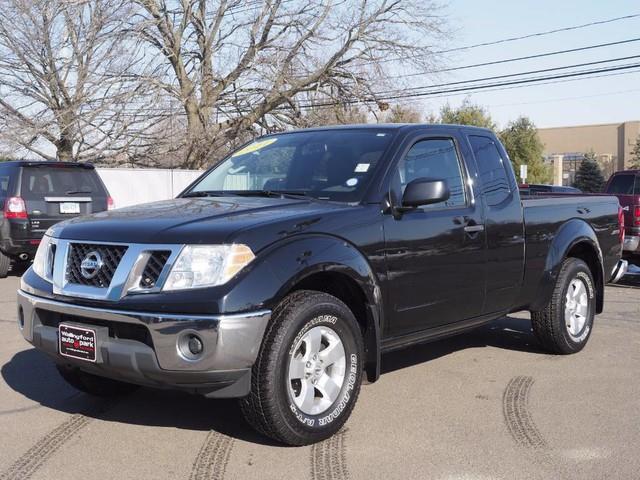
(273, 193)
(247, 193)
(206, 193)
(74, 192)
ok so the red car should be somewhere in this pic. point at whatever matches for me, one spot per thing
(626, 186)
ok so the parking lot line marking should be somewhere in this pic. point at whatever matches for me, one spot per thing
(329, 458)
(213, 457)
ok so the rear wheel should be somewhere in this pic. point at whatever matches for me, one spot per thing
(5, 263)
(565, 324)
(93, 384)
(307, 377)
(20, 266)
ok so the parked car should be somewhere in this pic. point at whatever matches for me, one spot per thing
(537, 189)
(36, 195)
(282, 274)
(626, 186)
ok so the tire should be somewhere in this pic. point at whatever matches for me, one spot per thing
(295, 399)
(5, 263)
(564, 327)
(93, 384)
(19, 267)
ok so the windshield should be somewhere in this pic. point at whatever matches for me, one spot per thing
(328, 164)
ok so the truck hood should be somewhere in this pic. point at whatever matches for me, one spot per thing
(190, 220)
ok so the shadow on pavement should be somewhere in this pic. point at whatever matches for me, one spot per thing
(33, 374)
(508, 333)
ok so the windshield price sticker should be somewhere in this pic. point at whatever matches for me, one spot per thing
(254, 147)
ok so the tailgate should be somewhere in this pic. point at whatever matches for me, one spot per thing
(627, 202)
(626, 186)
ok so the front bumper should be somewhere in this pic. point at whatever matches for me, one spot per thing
(143, 348)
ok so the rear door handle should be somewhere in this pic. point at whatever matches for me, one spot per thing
(474, 228)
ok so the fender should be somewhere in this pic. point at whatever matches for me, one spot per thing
(570, 234)
(283, 265)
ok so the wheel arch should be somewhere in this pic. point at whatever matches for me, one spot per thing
(574, 239)
(334, 266)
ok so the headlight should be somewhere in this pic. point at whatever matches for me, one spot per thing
(43, 260)
(207, 265)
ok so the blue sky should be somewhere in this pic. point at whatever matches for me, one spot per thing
(601, 100)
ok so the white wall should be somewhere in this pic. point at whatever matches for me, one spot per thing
(130, 186)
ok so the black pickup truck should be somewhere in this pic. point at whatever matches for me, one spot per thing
(283, 274)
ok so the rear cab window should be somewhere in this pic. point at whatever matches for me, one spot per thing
(624, 184)
(492, 168)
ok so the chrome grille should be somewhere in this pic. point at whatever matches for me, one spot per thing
(153, 269)
(111, 256)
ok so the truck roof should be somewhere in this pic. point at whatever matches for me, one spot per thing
(394, 126)
(624, 172)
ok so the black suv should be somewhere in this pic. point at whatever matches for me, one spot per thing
(36, 195)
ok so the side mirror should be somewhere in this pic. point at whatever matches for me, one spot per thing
(425, 191)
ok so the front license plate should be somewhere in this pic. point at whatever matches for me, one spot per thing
(69, 207)
(77, 342)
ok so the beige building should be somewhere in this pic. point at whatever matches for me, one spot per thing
(566, 146)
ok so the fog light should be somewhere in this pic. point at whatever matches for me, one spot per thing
(195, 345)
(190, 346)
(20, 318)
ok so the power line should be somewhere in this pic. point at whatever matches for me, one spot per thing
(512, 39)
(519, 82)
(402, 93)
(161, 113)
(517, 59)
(538, 84)
(497, 77)
(563, 99)
(482, 86)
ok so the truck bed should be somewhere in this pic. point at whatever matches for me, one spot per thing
(547, 217)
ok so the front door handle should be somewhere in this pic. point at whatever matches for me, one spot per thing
(474, 228)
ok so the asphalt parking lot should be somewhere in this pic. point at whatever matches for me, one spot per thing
(486, 405)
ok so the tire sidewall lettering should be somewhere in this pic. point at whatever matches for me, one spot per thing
(351, 381)
(587, 280)
(585, 277)
(332, 319)
(326, 418)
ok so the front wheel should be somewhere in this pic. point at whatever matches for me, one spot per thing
(307, 377)
(565, 324)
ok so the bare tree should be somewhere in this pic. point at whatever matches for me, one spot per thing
(239, 67)
(330, 115)
(62, 90)
(401, 114)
